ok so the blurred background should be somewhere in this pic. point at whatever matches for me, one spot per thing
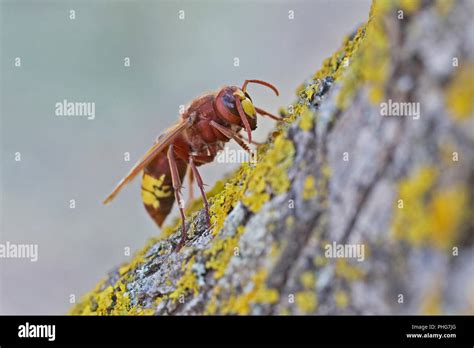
(172, 61)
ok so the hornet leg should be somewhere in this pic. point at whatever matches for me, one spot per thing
(177, 194)
(253, 142)
(229, 133)
(201, 188)
(190, 176)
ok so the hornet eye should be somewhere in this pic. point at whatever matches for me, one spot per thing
(229, 102)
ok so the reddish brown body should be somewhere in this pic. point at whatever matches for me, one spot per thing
(205, 126)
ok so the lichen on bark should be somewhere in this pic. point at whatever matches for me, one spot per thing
(337, 171)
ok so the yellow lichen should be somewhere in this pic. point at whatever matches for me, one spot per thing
(306, 301)
(445, 213)
(326, 170)
(431, 303)
(259, 293)
(275, 251)
(306, 120)
(289, 221)
(447, 152)
(221, 251)
(308, 280)
(444, 6)
(429, 215)
(309, 187)
(320, 261)
(339, 61)
(225, 200)
(104, 300)
(371, 62)
(410, 6)
(271, 227)
(187, 283)
(113, 299)
(212, 305)
(460, 93)
(270, 175)
(347, 271)
(341, 299)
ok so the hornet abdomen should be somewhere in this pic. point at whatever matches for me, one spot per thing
(157, 187)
